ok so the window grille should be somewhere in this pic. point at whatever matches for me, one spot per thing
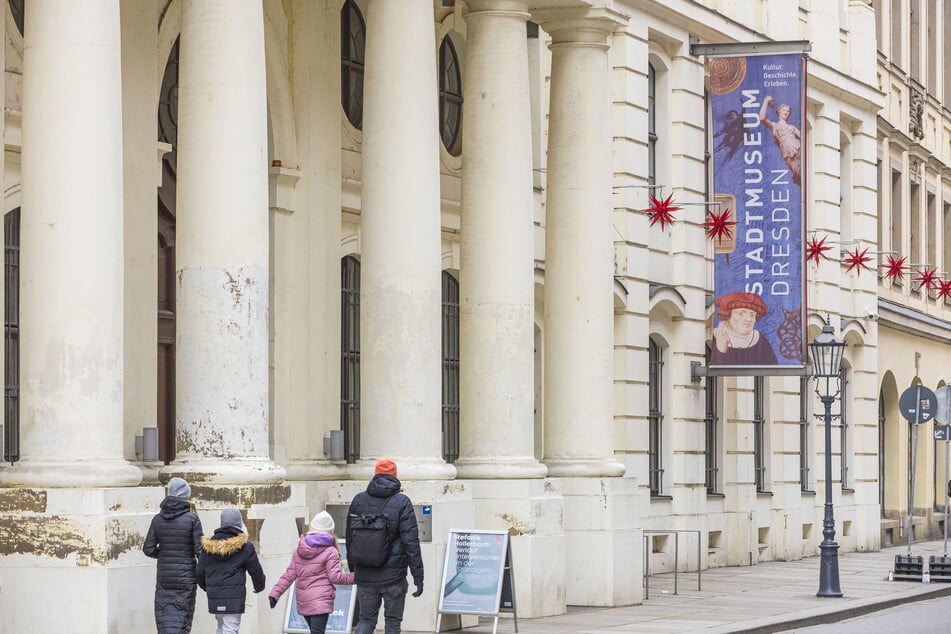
(711, 430)
(759, 433)
(844, 427)
(450, 368)
(651, 125)
(350, 357)
(11, 396)
(804, 397)
(655, 417)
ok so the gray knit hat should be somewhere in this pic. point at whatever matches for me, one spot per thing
(232, 518)
(177, 487)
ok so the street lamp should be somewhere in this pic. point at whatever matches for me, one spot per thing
(827, 352)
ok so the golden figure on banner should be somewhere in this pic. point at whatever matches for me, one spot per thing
(726, 74)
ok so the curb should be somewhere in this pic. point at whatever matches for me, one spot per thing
(853, 609)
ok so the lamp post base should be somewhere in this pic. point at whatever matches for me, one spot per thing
(829, 570)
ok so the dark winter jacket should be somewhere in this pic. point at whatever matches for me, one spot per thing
(226, 559)
(174, 538)
(400, 522)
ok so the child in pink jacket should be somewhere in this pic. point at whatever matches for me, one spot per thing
(316, 567)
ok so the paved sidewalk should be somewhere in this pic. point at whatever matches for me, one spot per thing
(767, 597)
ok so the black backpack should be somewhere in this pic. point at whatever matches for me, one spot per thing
(370, 540)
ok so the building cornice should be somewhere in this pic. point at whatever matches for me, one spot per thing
(911, 321)
(844, 87)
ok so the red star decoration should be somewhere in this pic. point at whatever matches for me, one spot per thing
(662, 211)
(718, 227)
(927, 278)
(816, 249)
(895, 268)
(857, 260)
(944, 289)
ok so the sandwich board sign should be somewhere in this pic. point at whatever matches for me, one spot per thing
(340, 620)
(477, 576)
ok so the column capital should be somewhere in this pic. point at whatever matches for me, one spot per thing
(589, 24)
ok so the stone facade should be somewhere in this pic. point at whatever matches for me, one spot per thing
(289, 148)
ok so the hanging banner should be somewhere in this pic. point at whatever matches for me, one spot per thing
(758, 171)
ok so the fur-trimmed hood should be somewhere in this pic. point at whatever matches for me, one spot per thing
(223, 545)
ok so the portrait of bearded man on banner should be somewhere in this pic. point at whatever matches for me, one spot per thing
(735, 339)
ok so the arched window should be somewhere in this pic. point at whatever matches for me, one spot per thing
(11, 339)
(350, 357)
(17, 8)
(168, 99)
(450, 98)
(353, 35)
(450, 367)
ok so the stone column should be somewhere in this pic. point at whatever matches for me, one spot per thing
(497, 296)
(222, 259)
(307, 275)
(579, 252)
(400, 294)
(71, 289)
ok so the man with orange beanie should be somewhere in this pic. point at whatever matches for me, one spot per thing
(386, 582)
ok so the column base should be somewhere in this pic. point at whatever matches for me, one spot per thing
(601, 527)
(84, 543)
(408, 468)
(584, 468)
(531, 511)
(225, 472)
(72, 474)
(499, 468)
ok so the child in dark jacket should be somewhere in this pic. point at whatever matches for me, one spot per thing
(226, 558)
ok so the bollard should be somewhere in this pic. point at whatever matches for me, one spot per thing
(908, 568)
(939, 568)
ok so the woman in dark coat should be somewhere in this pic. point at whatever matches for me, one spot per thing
(174, 539)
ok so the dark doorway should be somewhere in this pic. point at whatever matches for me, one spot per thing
(165, 371)
(165, 375)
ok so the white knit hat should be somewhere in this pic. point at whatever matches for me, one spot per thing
(322, 523)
